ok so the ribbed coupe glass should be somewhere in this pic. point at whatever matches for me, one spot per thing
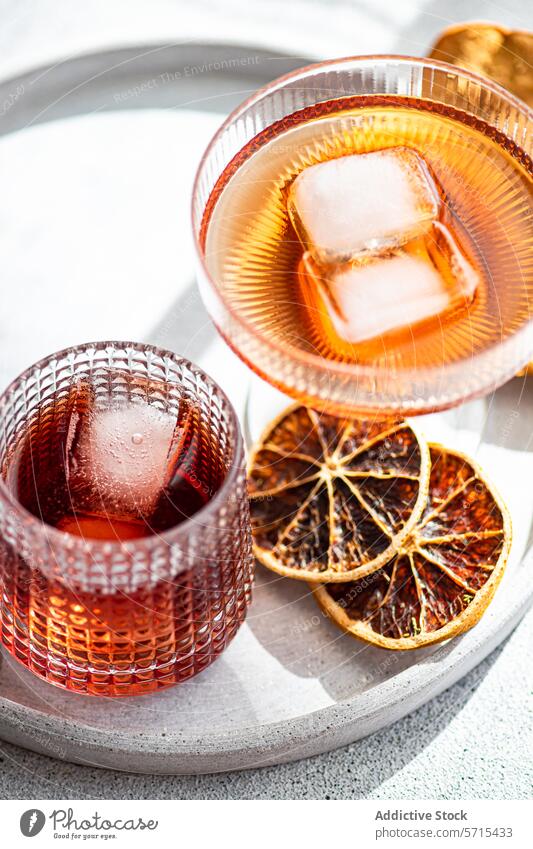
(150, 589)
(477, 139)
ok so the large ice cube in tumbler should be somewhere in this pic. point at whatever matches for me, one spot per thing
(363, 203)
(118, 457)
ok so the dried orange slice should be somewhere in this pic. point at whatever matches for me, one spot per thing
(493, 51)
(504, 55)
(443, 575)
(330, 498)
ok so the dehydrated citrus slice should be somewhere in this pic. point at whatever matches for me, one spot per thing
(443, 575)
(502, 54)
(331, 498)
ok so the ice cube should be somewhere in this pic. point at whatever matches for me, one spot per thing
(364, 202)
(444, 251)
(118, 457)
(373, 296)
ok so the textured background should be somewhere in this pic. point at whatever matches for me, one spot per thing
(473, 741)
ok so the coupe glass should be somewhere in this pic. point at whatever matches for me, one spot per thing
(349, 387)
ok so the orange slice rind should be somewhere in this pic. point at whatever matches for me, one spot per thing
(332, 499)
(442, 576)
(504, 55)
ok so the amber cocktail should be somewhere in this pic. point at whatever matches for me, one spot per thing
(364, 234)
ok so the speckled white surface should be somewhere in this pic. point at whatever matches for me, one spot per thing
(473, 740)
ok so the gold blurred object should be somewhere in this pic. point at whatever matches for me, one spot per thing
(503, 55)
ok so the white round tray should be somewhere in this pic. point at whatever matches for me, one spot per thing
(96, 244)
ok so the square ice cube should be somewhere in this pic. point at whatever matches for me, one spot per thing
(363, 202)
(442, 249)
(119, 457)
(368, 298)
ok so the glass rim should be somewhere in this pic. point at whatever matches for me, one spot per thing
(344, 369)
(171, 536)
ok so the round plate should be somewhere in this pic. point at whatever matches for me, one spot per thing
(95, 244)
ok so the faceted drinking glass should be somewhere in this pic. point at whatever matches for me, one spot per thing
(119, 616)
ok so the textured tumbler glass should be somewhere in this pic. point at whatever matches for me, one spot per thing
(269, 339)
(154, 605)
